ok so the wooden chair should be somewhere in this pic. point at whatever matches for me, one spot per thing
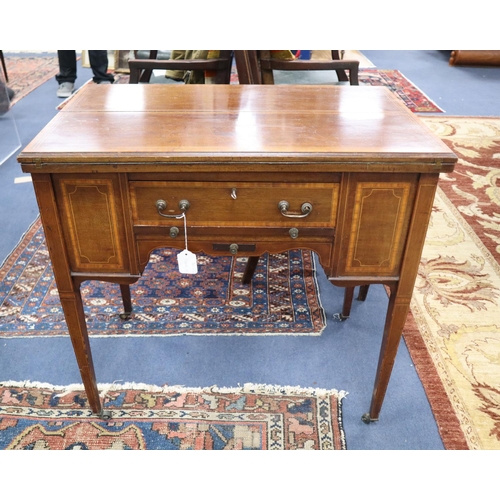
(257, 66)
(218, 67)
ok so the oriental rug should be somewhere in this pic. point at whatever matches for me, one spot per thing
(453, 333)
(282, 298)
(27, 73)
(253, 417)
(411, 95)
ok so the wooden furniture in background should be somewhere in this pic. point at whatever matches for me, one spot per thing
(142, 69)
(347, 172)
(257, 66)
(475, 58)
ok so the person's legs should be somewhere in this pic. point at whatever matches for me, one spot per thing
(99, 64)
(67, 72)
(67, 66)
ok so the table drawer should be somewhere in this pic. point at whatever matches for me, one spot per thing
(236, 204)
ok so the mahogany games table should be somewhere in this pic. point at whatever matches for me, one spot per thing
(345, 171)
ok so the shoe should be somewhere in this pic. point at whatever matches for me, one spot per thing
(105, 82)
(65, 89)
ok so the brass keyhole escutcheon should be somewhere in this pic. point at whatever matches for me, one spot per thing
(294, 232)
(233, 248)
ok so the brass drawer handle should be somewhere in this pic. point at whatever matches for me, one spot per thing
(162, 205)
(306, 209)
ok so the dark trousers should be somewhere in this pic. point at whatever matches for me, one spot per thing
(98, 63)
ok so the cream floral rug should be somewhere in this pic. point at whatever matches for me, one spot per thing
(456, 299)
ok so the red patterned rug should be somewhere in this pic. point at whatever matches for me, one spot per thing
(41, 417)
(413, 97)
(27, 73)
(282, 298)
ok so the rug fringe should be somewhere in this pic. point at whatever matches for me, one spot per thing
(247, 388)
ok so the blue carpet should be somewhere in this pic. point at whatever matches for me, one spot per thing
(458, 90)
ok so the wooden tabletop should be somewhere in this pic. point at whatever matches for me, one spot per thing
(236, 122)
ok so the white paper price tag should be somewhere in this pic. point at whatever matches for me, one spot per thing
(187, 262)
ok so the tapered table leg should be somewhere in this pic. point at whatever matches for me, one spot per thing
(363, 292)
(68, 288)
(75, 318)
(250, 269)
(346, 307)
(127, 301)
(395, 320)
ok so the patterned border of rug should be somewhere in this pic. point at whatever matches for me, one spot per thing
(28, 73)
(37, 416)
(411, 95)
(282, 299)
(455, 304)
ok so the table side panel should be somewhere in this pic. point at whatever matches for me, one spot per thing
(376, 214)
(91, 211)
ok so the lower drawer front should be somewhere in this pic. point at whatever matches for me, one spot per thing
(237, 248)
(236, 204)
